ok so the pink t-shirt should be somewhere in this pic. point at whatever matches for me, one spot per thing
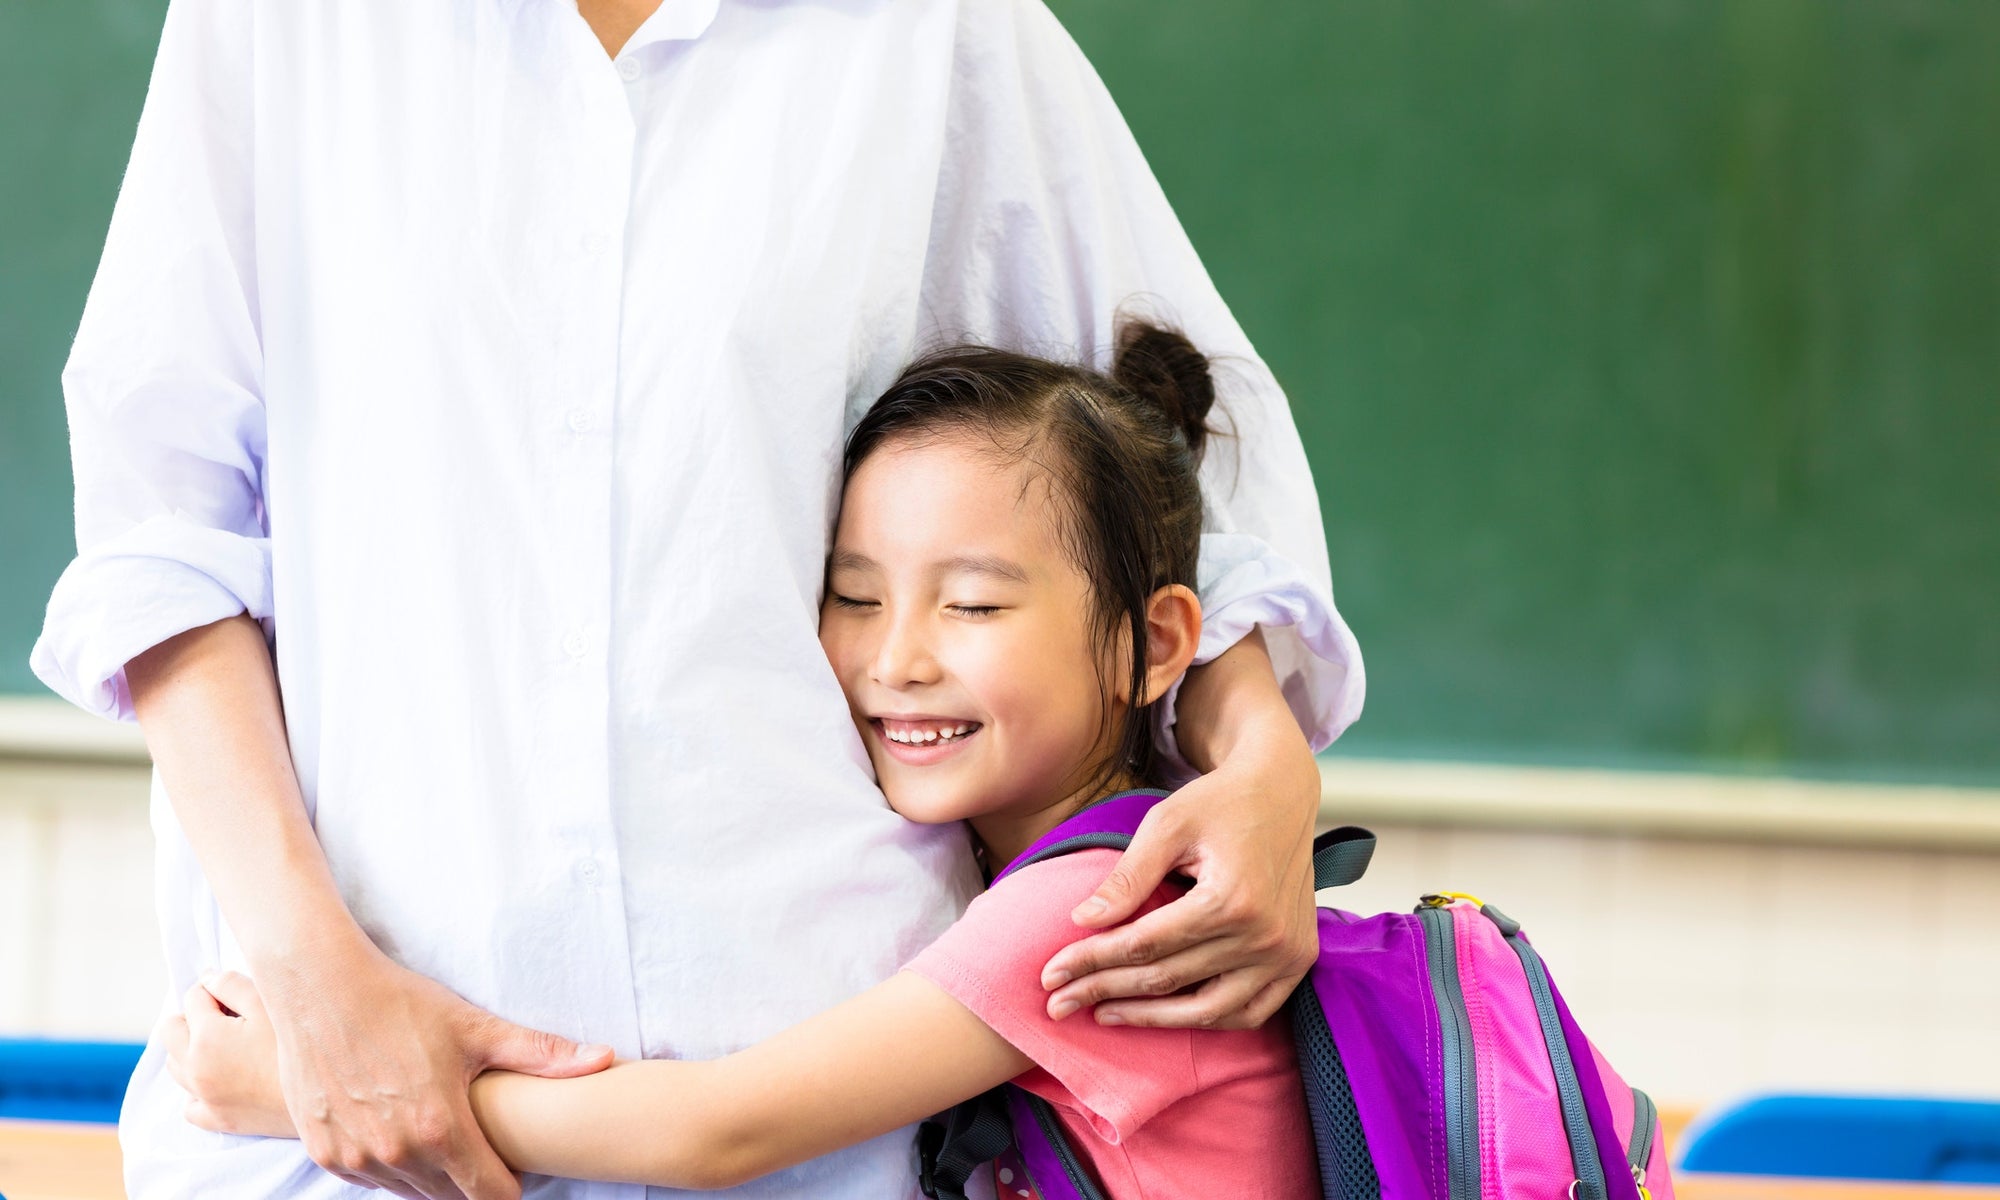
(1159, 1113)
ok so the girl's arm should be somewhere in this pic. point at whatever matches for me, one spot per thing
(895, 1054)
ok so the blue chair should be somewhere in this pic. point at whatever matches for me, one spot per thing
(1839, 1137)
(46, 1080)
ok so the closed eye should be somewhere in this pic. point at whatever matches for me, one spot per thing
(840, 601)
(975, 610)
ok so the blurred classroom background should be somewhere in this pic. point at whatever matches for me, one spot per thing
(1648, 355)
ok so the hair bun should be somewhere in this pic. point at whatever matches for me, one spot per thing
(1161, 366)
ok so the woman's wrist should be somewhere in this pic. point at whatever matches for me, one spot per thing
(1271, 747)
(300, 959)
(1231, 709)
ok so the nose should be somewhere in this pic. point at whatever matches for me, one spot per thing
(905, 657)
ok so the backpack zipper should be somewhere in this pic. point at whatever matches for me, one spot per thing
(1079, 1178)
(1583, 1150)
(1645, 1115)
(1461, 1087)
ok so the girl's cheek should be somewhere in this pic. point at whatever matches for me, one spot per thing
(839, 643)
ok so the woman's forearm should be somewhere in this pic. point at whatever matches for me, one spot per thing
(208, 703)
(1233, 705)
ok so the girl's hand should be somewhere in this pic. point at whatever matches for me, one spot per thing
(1228, 953)
(222, 1051)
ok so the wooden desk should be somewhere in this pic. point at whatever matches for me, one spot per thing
(1749, 1187)
(53, 1160)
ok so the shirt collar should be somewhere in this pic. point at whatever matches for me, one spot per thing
(673, 21)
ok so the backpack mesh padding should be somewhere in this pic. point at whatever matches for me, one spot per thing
(1346, 1170)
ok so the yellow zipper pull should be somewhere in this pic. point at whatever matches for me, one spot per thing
(1445, 899)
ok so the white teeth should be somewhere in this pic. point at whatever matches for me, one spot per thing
(926, 737)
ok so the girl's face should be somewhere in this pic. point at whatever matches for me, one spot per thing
(961, 634)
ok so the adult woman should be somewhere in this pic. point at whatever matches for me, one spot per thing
(505, 381)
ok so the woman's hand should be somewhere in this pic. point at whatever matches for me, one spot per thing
(375, 1061)
(1229, 952)
(372, 1074)
(222, 1051)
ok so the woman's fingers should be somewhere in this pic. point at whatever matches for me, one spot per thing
(1158, 846)
(1199, 916)
(475, 1167)
(1162, 977)
(1199, 961)
(1266, 1003)
(1221, 1003)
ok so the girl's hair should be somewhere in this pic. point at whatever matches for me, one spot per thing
(1120, 451)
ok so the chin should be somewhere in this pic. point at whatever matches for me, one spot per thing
(926, 806)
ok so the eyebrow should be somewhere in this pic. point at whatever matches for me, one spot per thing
(968, 564)
(985, 564)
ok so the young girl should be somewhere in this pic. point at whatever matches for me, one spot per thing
(1008, 594)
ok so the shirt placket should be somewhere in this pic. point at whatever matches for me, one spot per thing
(578, 426)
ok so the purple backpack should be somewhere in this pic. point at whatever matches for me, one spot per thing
(1440, 1062)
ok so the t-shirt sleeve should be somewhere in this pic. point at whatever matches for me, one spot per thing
(991, 961)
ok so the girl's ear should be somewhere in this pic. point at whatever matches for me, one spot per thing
(1173, 633)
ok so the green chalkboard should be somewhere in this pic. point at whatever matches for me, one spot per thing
(1648, 353)
(72, 78)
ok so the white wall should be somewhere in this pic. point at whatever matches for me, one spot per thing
(79, 952)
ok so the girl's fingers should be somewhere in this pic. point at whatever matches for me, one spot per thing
(196, 1002)
(173, 1034)
(235, 991)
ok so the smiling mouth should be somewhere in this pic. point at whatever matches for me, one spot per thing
(923, 741)
(925, 732)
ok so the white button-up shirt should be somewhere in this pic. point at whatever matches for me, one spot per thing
(507, 384)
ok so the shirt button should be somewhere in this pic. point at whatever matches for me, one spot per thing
(628, 69)
(589, 872)
(573, 643)
(580, 420)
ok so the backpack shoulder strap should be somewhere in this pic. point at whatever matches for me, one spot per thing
(953, 1145)
(1107, 824)
(1340, 856)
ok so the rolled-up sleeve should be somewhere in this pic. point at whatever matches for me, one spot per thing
(163, 384)
(1048, 226)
